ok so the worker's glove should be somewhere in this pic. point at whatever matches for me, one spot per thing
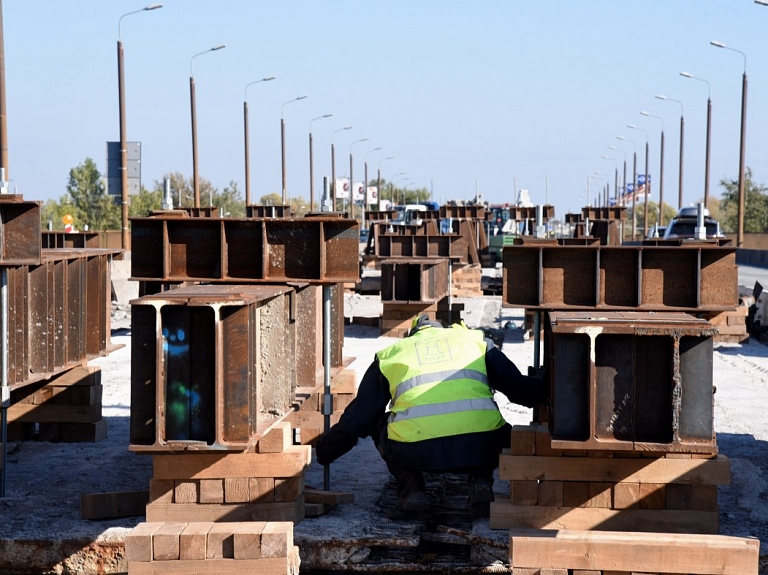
(334, 444)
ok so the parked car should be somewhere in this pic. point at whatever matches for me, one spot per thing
(683, 225)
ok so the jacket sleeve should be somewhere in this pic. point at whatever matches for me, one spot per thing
(504, 376)
(360, 418)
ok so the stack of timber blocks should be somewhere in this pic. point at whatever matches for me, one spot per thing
(66, 408)
(466, 281)
(731, 325)
(309, 421)
(266, 484)
(202, 548)
(396, 317)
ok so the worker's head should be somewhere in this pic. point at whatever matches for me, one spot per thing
(421, 322)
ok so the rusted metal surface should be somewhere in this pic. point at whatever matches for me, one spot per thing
(574, 218)
(73, 240)
(414, 281)
(380, 215)
(59, 313)
(212, 366)
(594, 213)
(261, 211)
(200, 212)
(451, 246)
(633, 381)
(244, 250)
(472, 212)
(686, 277)
(19, 231)
(520, 213)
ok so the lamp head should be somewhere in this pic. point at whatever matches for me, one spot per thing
(268, 78)
(686, 74)
(644, 113)
(218, 47)
(632, 126)
(153, 6)
(661, 96)
(327, 115)
(718, 44)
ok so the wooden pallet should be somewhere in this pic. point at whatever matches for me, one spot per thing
(620, 553)
(200, 548)
(632, 491)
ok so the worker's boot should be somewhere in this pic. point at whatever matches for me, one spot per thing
(411, 494)
(480, 489)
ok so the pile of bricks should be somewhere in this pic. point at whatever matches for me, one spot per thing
(266, 485)
(66, 408)
(202, 547)
(630, 491)
(466, 281)
(396, 317)
(607, 553)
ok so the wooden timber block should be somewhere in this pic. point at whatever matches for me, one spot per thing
(52, 413)
(291, 462)
(82, 432)
(693, 554)
(113, 505)
(523, 440)
(505, 515)
(193, 540)
(226, 512)
(613, 470)
(261, 566)
(277, 439)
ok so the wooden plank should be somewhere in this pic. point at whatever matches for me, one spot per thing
(138, 542)
(634, 552)
(81, 375)
(29, 413)
(193, 540)
(656, 470)
(312, 495)
(161, 490)
(289, 488)
(263, 566)
(524, 492)
(232, 512)
(165, 541)
(220, 543)
(600, 495)
(185, 491)
(653, 496)
(627, 495)
(83, 432)
(678, 497)
(248, 539)
(261, 489)
(504, 515)
(316, 509)
(704, 497)
(277, 539)
(218, 465)
(277, 439)
(550, 493)
(113, 505)
(523, 440)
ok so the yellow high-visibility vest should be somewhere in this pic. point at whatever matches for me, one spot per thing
(439, 385)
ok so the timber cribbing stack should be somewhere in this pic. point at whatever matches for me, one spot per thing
(627, 442)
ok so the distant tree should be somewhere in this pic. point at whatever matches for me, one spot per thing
(653, 215)
(755, 205)
(230, 201)
(273, 199)
(145, 202)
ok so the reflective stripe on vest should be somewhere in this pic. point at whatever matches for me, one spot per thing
(439, 385)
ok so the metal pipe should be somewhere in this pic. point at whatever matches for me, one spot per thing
(327, 397)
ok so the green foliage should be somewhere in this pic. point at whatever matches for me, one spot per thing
(229, 201)
(145, 202)
(273, 199)
(653, 215)
(755, 205)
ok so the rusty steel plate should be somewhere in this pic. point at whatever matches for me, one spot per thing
(19, 231)
(410, 280)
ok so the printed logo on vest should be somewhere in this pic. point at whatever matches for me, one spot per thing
(433, 351)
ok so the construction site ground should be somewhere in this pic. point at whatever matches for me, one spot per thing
(40, 520)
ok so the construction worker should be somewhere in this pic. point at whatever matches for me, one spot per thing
(438, 386)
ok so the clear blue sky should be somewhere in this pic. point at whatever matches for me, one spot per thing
(465, 95)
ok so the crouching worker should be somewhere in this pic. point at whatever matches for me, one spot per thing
(438, 387)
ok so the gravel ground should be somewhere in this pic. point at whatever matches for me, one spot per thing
(45, 480)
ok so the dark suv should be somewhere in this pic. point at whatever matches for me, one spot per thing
(683, 225)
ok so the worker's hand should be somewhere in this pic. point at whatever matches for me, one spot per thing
(333, 445)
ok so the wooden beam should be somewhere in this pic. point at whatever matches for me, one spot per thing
(113, 505)
(217, 465)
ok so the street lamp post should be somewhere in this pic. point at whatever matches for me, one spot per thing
(392, 189)
(682, 135)
(245, 132)
(647, 184)
(740, 231)
(661, 168)
(634, 183)
(311, 169)
(352, 178)
(616, 176)
(333, 163)
(365, 188)
(282, 142)
(195, 175)
(709, 133)
(123, 134)
(624, 177)
(378, 179)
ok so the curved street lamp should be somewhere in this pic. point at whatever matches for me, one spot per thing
(647, 184)
(634, 183)
(624, 177)
(311, 169)
(333, 162)
(195, 175)
(740, 231)
(352, 179)
(616, 177)
(365, 188)
(245, 132)
(661, 167)
(378, 177)
(282, 141)
(709, 133)
(123, 133)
